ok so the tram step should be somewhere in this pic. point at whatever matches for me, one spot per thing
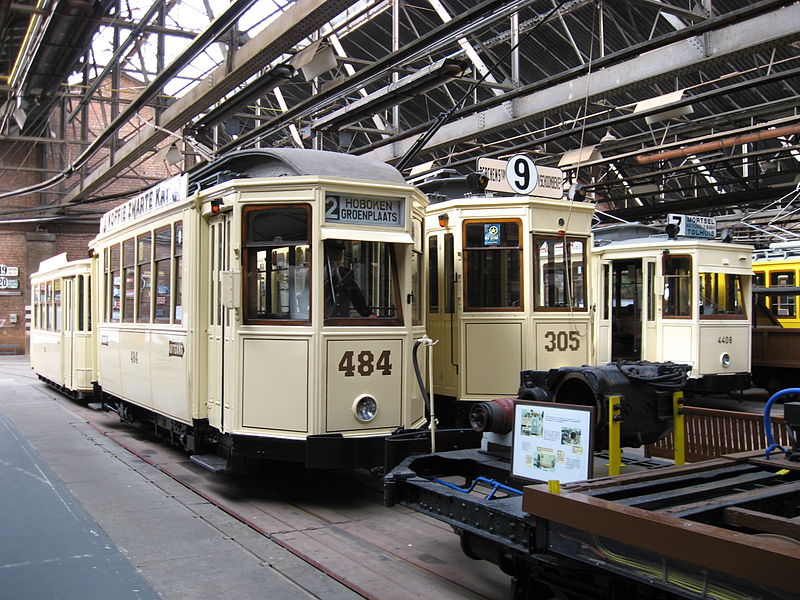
(212, 462)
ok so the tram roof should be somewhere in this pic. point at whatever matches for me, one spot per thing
(291, 162)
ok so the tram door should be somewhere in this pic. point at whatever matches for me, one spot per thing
(67, 331)
(442, 320)
(220, 324)
(626, 309)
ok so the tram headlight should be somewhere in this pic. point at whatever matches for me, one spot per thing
(725, 360)
(365, 408)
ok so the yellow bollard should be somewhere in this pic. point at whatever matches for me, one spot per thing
(614, 424)
(679, 429)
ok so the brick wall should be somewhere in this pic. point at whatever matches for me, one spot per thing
(25, 245)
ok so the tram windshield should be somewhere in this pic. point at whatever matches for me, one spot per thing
(277, 263)
(360, 281)
(721, 295)
(560, 264)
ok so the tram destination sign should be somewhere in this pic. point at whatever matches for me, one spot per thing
(166, 192)
(693, 225)
(520, 175)
(364, 210)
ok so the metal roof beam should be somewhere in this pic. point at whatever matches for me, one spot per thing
(768, 28)
(280, 36)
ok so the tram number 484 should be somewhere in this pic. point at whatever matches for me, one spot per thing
(364, 363)
(562, 341)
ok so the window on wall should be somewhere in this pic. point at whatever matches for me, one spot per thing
(783, 306)
(162, 275)
(560, 270)
(721, 295)
(677, 286)
(178, 275)
(128, 280)
(277, 263)
(144, 251)
(492, 265)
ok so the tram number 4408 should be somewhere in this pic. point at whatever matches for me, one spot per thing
(364, 363)
(562, 341)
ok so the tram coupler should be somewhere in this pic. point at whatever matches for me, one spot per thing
(410, 442)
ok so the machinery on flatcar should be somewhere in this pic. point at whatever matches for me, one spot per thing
(508, 280)
(62, 344)
(262, 306)
(679, 299)
(779, 267)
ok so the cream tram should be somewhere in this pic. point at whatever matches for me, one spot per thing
(507, 291)
(678, 299)
(262, 306)
(62, 348)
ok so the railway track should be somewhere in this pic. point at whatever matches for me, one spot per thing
(335, 521)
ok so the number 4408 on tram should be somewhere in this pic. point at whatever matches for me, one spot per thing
(260, 306)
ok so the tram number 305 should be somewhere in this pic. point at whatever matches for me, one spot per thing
(364, 363)
(562, 341)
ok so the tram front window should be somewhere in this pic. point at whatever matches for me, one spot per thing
(277, 263)
(360, 282)
(560, 264)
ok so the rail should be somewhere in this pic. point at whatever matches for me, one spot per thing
(711, 433)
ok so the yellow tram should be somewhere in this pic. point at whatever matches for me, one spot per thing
(776, 267)
(262, 306)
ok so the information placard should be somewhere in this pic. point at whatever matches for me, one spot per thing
(552, 441)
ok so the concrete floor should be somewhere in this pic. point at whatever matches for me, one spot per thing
(83, 518)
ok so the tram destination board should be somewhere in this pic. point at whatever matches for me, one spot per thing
(693, 225)
(364, 210)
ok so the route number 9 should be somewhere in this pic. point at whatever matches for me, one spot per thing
(521, 174)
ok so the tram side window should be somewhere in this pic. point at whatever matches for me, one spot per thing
(651, 294)
(433, 274)
(144, 251)
(677, 286)
(128, 279)
(783, 306)
(721, 295)
(560, 269)
(162, 275)
(178, 264)
(57, 304)
(115, 291)
(759, 279)
(492, 266)
(449, 274)
(417, 269)
(277, 263)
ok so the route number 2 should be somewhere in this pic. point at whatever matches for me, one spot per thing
(364, 363)
(562, 341)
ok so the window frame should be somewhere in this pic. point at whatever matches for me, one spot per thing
(249, 248)
(566, 239)
(465, 251)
